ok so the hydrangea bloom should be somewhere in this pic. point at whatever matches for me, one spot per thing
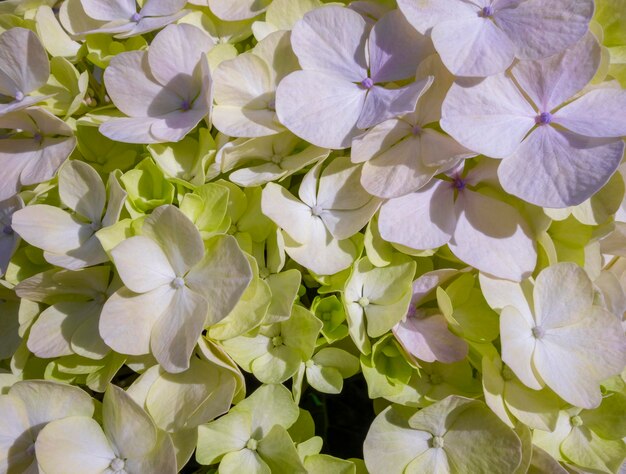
(24, 67)
(165, 91)
(175, 287)
(123, 19)
(572, 148)
(9, 240)
(337, 92)
(484, 37)
(556, 344)
(34, 151)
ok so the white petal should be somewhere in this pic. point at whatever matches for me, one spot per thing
(24, 64)
(134, 91)
(50, 228)
(574, 359)
(174, 126)
(142, 264)
(382, 104)
(287, 212)
(127, 318)
(421, 220)
(395, 48)
(339, 187)
(89, 253)
(423, 15)
(493, 237)
(243, 81)
(175, 53)
(74, 444)
(320, 108)
(518, 345)
(82, 190)
(550, 82)
(162, 7)
(473, 47)
(556, 168)
(130, 130)
(599, 113)
(54, 151)
(491, 117)
(237, 10)
(332, 40)
(109, 10)
(175, 333)
(540, 30)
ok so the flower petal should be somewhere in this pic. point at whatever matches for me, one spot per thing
(109, 10)
(142, 264)
(24, 64)
(53, 152)
(162, 7)
(473, 47)
(82, 190)
(421, 220)
(320, 108)
(176, 332)
(599, 113)
(332, 40)
(424, 15)
(491, 117)
(130, 130)
(556, 168)
(287, 212)
(492, 236)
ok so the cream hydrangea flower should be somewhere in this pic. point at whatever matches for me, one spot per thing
(559, 338)
(175, 287)
(128, 442)
(165, 91)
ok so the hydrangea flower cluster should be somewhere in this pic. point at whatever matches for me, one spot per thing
(218, 216)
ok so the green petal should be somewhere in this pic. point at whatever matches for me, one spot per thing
(279, 453)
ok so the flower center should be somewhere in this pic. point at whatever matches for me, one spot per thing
(117, 465)
(367, 83)
(276, 159)
(507, 374)
(252, 444)
(271, 105)
(7, 230)
(487, 12)
(38, 137)
(309, 364)
(185, 105)
(459, 183)
(416, 130)
(576, 420)
(544, 118)
(316, 210)
(326, 316)
(538, 332)
(19, 96)
(363, 302)
(136, 17)
(177, 283)
(277, 341)
(437, 442)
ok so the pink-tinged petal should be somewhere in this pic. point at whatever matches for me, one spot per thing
(176, 332)
(518, 345)
(239, 10)
(556, 168)
(50, 228)
(575, 295)
(492, 236)
(491, 117)
(162, 7)
(550, 82)
(421, 220)
(423, 15)
(539, 29)
(473, 47)
(142, 264)
(109, 10)
(127, 318)
(396, 48)
(429, 339)
(175, 53)
(599, 113)
(382, 104)
(332, 40)
(24, 64)
(438, 149)
(53, 152)
(574, 359)
(320, 108)
(133, 89)
(131, 130)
